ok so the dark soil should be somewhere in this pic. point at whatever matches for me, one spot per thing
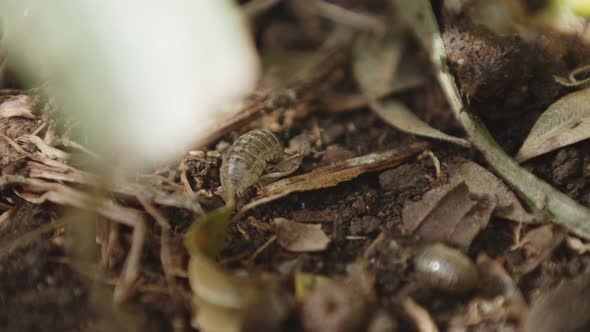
(43, 288)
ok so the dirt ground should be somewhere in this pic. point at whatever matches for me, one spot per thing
(46, 286)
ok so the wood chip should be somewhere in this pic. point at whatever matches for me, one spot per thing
(298, 237)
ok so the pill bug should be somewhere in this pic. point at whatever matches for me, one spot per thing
(245, 160)
(446, 269)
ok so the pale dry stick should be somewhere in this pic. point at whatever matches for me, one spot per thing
(572, 81)
(69, 143)
(165, 253)
(260, 249)
(111, 230)
(39, 129)
(184, 178)
(334, 174)
(63, 195)
(419, 315)
(161, 180)
(345, 17)
(372, 248)
(575, 72)
(67, 172)
(7, 217)
(435, 162)
(29, 237)
(541, 197)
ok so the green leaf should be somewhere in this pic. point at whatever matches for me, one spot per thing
(209, 232)
(565, 122)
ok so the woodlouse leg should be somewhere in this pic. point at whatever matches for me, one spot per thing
(283, 168)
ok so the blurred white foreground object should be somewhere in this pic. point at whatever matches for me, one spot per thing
(145, 78)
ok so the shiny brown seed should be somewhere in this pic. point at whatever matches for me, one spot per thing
(446, 269)
(245, 160)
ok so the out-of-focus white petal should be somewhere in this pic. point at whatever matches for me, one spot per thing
(145, 77)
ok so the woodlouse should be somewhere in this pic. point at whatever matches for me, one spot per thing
(446, 269)
(245, 160)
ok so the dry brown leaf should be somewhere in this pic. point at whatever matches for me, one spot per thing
(565, 122)
(481, 182)
(449, 213)
(538, 245)
(298, 237)
(456, 212)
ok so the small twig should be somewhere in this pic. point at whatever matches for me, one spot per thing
(334, 174)
(165, 252)
(355, 237)
(29, 237)
(184, 178)
(345, 17)
(572, 80)
(69, 143)
(435, 162)
(260, 249)
(419, 315)
(372, 248)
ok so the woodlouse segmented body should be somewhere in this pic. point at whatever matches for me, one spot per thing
(243, 163)
(446, 269)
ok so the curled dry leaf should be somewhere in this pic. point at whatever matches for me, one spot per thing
(480, 182)
(565, 122)
(450, 214)
(298, 237)
(537, 246)
(456, 212)
(376, 68)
